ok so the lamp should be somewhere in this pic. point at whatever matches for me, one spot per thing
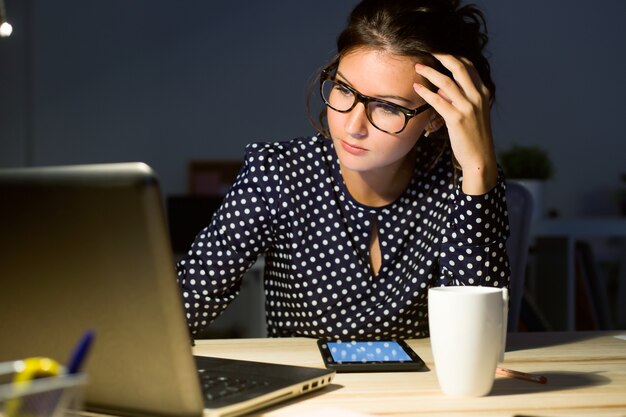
(5, 27)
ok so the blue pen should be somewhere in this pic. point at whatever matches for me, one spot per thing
(80, 353)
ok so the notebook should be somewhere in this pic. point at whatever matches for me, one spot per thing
(86, 247)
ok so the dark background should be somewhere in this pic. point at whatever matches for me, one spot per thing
(167, 82)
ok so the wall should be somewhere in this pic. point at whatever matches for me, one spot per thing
(165, 82)
(559, 65)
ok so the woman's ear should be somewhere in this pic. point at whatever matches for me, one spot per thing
(434, 124)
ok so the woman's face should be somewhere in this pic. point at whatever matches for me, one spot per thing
(360, 146)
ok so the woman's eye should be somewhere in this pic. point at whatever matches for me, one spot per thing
(343, 90)
(387, 109)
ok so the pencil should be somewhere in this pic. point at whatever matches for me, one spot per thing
(521, 375)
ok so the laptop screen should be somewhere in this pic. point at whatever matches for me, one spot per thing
(86, 247)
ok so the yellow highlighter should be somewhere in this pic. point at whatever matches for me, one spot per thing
(27, 370)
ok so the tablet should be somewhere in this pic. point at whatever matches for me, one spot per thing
(369, 356)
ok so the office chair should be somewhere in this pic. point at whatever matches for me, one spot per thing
(520, 206)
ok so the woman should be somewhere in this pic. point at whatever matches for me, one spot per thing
(400, 193)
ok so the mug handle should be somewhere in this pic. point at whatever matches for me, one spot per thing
(505, 320)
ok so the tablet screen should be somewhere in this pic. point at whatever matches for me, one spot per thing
(374, 351)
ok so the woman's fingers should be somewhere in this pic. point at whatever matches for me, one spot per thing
(466, 79)
(443, 82)
(475, 77)
(441, 103)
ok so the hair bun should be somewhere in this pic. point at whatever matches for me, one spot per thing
(419, 28)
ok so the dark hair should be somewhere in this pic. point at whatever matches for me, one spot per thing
(417, 28)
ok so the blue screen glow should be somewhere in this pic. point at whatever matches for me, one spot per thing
(367, 352)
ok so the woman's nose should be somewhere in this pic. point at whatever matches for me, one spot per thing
(356, 121)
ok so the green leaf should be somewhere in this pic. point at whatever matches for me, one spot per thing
(526, 162)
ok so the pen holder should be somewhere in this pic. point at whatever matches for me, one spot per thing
(45, 397)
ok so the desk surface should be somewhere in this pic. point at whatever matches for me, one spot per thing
(586, 374)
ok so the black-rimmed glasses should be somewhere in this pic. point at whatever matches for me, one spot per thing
(382, 114)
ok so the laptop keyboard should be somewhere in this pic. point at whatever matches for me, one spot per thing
(216, 387)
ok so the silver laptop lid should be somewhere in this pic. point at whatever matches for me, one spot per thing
(59, 278)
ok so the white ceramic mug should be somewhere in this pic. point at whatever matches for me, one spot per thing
(467, 336)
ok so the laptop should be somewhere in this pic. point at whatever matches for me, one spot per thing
(86, 247)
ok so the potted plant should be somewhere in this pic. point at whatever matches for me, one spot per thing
(531, 166)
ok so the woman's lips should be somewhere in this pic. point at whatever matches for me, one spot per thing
(354, 150)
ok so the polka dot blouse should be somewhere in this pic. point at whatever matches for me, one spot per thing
(289, 203)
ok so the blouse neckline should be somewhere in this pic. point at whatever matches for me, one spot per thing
(338, 178)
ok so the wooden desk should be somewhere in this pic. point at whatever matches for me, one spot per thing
(586, 377)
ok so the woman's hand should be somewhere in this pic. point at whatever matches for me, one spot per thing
(463, 103)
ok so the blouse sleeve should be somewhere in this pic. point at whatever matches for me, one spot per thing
(210, 274)
(473, 250)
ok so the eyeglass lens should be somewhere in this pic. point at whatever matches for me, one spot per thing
(382, 115)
